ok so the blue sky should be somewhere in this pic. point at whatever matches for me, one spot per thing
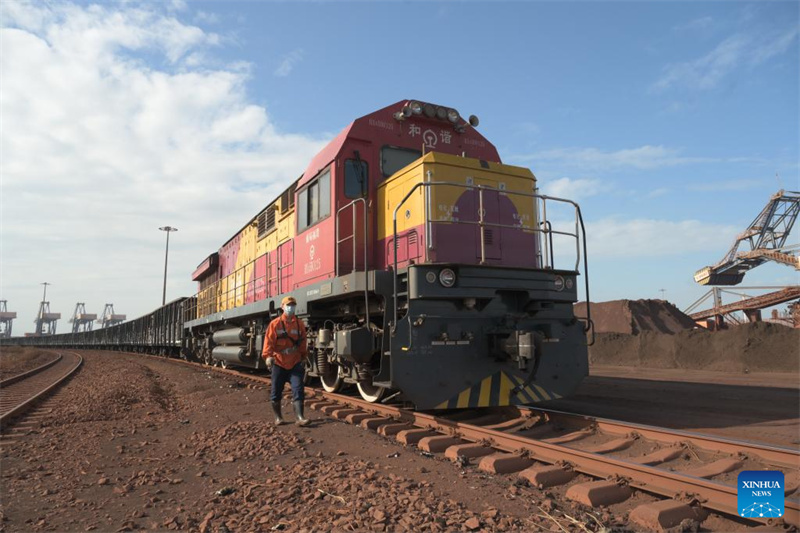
(667, 121)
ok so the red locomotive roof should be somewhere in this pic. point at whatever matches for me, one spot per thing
(416, 131)
(206, 267)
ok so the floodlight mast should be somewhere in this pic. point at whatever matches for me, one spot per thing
(168, 229)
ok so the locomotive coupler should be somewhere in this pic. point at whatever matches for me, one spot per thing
(519, 346)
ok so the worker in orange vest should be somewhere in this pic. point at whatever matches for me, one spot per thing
(285, 351)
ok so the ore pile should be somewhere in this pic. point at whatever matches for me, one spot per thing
(632, 317)
(655, 334)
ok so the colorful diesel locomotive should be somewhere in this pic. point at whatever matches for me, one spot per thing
(423, 266)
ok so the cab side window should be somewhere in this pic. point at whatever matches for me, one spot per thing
(356, 174)
(314, 201)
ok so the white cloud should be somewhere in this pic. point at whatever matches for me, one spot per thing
(739, 50)
(288, 63)
(574, 189)
(206, 17)
(643, 157)
(100, 148)
(622, 241)
(626, 238)
(658, 192)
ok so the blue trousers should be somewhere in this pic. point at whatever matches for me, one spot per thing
(280, 376)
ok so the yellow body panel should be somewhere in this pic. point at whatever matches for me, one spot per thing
(232, 291)
(437, 167)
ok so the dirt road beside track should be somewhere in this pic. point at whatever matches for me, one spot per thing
(757, 407)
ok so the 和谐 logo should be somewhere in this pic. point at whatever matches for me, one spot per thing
(760, 493)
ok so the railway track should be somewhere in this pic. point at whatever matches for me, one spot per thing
(18, 394)
(601, 462)
(692, 473)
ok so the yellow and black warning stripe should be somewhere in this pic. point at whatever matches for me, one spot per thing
(497, 390)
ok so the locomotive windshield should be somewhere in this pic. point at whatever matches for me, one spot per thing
(394, 158)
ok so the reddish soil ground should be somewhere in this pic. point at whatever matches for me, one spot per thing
(134, 443)
(15, 361)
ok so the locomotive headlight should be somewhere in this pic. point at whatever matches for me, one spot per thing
(447, 277)
(430, 277)
(416, 108)
(559, 283)
(429, 110)
(452, 115)
(441, 113)
(570, 283)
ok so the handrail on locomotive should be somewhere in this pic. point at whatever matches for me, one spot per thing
(352, 205)
(549, 260)
(216, 300)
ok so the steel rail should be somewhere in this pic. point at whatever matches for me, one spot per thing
(22, 407)
(775, 455)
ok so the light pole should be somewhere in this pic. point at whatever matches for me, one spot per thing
(168, 229)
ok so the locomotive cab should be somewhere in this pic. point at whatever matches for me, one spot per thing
(478, 300)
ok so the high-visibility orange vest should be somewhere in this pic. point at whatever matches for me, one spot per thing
(286, 341)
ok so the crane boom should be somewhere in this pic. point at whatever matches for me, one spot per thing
(764, 240)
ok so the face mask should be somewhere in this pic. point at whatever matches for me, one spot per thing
(289, 309)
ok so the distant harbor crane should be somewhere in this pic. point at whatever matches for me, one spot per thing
(81, 320)
(109, 318)
(45, 320)
(6, 320)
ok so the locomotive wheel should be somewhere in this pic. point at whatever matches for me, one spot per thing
(370, 392)
(331, 380)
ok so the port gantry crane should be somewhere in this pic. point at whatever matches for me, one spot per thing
(764, 240)
(45, 320)
(81, 320)
(109, 318)
(6, 319)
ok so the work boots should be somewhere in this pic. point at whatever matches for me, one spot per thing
(298, 411)
(276, 409)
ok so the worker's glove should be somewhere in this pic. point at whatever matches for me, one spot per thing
(270, 362)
